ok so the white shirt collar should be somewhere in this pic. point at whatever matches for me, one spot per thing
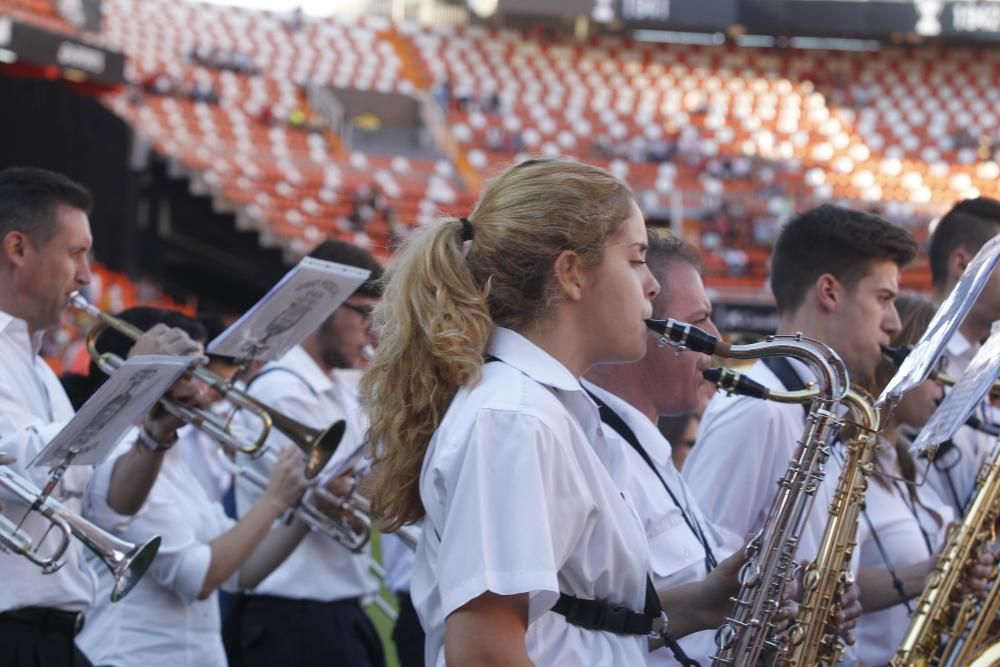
(515, 350)
(15, 327)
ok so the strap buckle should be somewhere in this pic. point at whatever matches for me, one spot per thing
(659, 629)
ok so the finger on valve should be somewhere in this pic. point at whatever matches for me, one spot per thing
(161, 339)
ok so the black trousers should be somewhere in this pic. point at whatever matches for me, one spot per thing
(408, 634)
(39, 638)
(264, 631)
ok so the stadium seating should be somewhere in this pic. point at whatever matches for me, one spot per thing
(296, 186)
(740, 137)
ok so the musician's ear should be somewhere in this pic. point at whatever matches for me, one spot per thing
(829, 292)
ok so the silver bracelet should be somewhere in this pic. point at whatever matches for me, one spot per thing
(152, 444)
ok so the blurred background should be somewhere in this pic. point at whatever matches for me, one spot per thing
(223, 141)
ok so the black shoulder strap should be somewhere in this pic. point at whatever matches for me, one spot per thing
(599, 614)
(781, 367)
(614, 420)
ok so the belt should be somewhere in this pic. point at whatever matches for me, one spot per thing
(46, 619)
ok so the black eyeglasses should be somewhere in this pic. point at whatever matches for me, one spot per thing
(364, 311)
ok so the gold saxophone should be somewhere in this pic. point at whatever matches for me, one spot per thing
(950, 626)
(749, 633)
(813, 638)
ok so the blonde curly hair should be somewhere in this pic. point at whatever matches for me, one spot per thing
(439, 307)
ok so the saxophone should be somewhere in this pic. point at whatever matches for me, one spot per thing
(949, 625)
(814, 638)
(749, 631)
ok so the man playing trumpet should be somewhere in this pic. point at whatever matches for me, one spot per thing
(316, 592)
(45, 242)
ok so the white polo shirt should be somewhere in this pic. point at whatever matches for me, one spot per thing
(519, 500)
(33, 409)
(676, 555)
(320, 568)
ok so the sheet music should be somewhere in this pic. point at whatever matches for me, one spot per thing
(964, 397)
(290, 311)
(93, 433)
(917, 366)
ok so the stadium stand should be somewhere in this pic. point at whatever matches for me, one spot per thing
(741, 136)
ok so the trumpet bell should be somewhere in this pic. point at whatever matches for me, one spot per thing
(322, 447)
(129, 570)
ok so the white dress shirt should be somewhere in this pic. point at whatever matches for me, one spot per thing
(203, 457)
(33, 409)
(901, 525)
(319, 568)
(519, 500)
(953, 473)
(161, 622)
(676, 555)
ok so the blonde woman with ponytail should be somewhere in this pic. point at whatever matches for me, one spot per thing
(480, 427)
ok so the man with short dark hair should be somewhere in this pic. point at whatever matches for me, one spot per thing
(956, 239)
(307, 611)
(44, 256)
(835, 276)
(684, 546)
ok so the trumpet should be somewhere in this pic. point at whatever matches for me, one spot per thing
(317, 444)
(127, 562)
(749, 634)
(339, 522)
(340, 529)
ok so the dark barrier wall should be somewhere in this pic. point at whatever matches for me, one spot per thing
(41, 47)
(144, 222)
(964, 19)
(45, 124)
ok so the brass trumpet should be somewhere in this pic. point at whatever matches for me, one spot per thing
(353, 508)
(317, 444)
(127, 562)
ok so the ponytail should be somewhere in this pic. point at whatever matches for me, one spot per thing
(441, 303)
(434, 325)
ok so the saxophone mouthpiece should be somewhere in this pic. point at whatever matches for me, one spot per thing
(684, 336)
(732, 382)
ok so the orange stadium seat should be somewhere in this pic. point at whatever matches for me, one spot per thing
(891, 129)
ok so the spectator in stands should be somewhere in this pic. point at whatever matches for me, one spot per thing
(493, 103)
(296, 20)
(495, 137)
(443, 95)
(203, 92)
